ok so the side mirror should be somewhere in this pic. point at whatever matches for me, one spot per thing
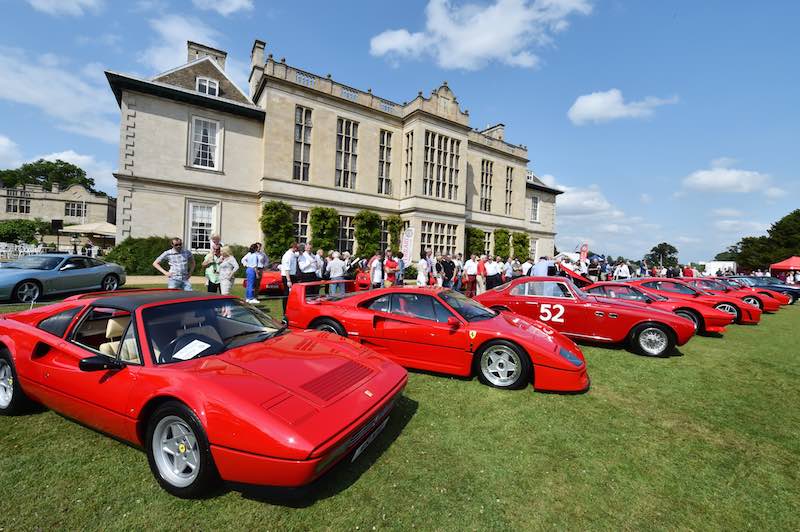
(648, 300)
(67, 267)
(453, 322)
(100, 363)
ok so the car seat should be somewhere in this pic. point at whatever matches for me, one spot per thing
(115, 328)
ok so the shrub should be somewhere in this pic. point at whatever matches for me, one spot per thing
(277, 224)
(394, 225)
(521, 244)
(324, 223)
(474, 241)
(136, 255)
(13, 231)
(367, 232)
(410, 272)
(502, 243)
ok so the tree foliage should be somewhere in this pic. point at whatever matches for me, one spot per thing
(367, 226)
(394, 225)
(664, 253)
(758, 252)
(46, 173)
(22, 230)
(324, 223)
(502, 242)
(277, 224)
(521, 244)
(473, 238)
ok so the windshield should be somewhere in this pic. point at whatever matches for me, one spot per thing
(579, 293)
(34, 263)
(193, 329)
(770, 280)
(469, 309)
(713, 285)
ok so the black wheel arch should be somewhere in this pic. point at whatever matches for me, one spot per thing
(647, 323)
(700, 320)
(146, 413)
(320, 319)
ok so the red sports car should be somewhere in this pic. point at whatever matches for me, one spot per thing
(440, 330)
(737, 284)
(271, 283)
(211, 388)
(706, 319)
(743, 312)
(562, 305)
(764, 303)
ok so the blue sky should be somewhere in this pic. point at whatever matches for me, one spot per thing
(663, 121)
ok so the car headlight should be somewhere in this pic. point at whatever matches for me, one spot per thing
(570, 356)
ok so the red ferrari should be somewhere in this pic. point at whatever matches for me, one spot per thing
(764, 303)
(443, 331)
(736, 284)
(741, 311)
(562, 305)
(271, 283)
(706, 319)
(211, 388)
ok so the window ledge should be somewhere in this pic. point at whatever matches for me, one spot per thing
(202, 169)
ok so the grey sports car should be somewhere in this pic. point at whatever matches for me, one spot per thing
(29, 278)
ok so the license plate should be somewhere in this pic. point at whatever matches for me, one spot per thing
(369, 439)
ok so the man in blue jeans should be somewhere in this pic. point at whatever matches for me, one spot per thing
(181, 265)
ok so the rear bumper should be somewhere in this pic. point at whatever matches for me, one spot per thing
(547, 379)
(248, 468)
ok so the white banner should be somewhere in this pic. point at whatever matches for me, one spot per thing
(407, 244)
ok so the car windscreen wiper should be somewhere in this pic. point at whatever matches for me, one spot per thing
(242, 334)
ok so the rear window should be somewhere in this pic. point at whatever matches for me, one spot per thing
(59, 323)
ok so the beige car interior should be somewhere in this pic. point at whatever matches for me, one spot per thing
(115, 328)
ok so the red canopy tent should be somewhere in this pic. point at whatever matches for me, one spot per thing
(792, 263)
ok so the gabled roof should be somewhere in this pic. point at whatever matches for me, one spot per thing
(531, 181)
(120, 82)
(198, 61)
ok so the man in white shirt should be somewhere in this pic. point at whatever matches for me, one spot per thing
(622, 271)
(540, 269)
(459, 272)
(337, 269)
(471, 271)
(492, 270)
(376, 271)
(526, 266)
(307, 265)
(288, 270)
(508, 269)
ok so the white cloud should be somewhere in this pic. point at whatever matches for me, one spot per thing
(727, 213)
(75, 8)
(100, 171)
(169, 49)
(725, 179)
(74, 102)
(646, 198)
(774, 193)
(610, 105)
(470, 36)
(224, 7)
(10, 156)
(740, 226)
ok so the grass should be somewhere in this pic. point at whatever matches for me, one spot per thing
(707, 440)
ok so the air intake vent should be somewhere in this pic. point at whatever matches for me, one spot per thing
(331, 384)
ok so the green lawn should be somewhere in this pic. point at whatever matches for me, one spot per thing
(707, 440)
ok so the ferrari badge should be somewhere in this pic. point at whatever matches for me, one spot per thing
(473, 334)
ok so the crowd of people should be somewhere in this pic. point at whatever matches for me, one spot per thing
(473, 276)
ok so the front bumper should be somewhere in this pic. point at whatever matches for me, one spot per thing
(248, 468)
(547, 379)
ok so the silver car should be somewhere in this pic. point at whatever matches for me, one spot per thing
(29, 278)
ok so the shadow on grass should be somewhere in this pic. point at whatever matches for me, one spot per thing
(342, 476)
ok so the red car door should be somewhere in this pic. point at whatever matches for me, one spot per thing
(96, 398)
(416, 333)
(553, 303)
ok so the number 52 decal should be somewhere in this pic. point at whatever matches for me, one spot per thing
(548, 312)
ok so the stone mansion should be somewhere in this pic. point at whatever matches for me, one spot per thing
(199, 156)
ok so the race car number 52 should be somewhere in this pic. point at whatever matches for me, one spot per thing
(548, 312)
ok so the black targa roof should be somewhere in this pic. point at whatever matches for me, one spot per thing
(131, 302)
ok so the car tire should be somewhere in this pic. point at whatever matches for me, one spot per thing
(27, 291)
(329, 325)
(652, 340)
(754, 301)
(110, 283)
(179, 453)
(792, 298)
(730, 309)
(13, 400)
(502, 364)
(690, 315)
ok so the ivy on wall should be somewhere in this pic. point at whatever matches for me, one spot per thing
(502, 243)
(277, 225)
(474, 241)
(394, 225)
(521, 244)
(367, 226)
(324, 225)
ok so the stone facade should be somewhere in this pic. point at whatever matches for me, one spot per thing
(311, 141)
(71, 206)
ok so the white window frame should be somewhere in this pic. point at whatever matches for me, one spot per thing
(190, 204)
(535, 212)
(218, 147)
(75, 209)
(209, 83)
(301, 226)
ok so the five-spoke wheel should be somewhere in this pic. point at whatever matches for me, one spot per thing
(503, 365)
(110, 283)
(27, 291)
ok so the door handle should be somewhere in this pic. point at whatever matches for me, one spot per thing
(598, 313)
(531, 302)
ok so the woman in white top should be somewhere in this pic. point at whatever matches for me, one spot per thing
(422, 270)
(226, 269)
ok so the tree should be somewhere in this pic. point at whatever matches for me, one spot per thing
(22, 230)
(277, 224)
(755, 252)
(394, 225)
(473, 240)
(502, 243)
(521, 244)
(367, 232)
(663, 254)
(729, 254)
(782, 241)
(46, 174)
(324, 222)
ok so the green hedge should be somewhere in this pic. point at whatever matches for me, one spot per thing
(502, 243)
(474, 241)
(277, 224)
(521, 243)
(324, 225)
(367, 225)
(136, 255)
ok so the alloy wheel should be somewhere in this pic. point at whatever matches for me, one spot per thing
(653, 341)
(500, 365)
(28, 291)
(727, 307)
(6, 384)
(752, 301)
(110, 283)
(176, 452)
